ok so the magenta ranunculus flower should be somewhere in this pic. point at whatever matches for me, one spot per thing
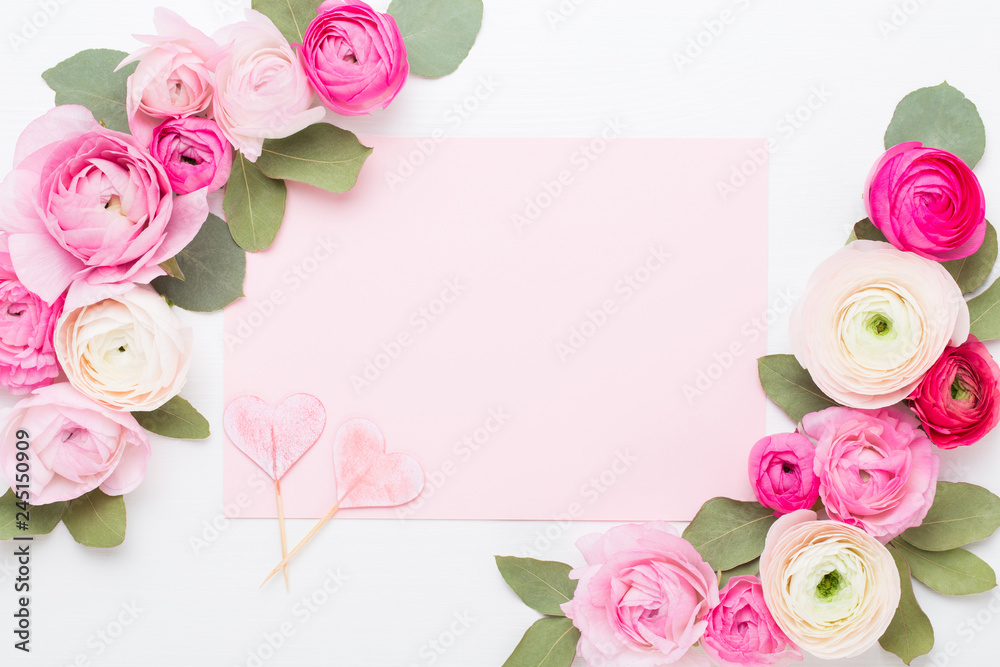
(958, 400)
(173, 78)
(27, 324)
(643, 598)
(781, 471)
(194, 153)
(89, 207)
(75, 446)
(877, 470)
(355, 57)
(741, 631)
(926, 201)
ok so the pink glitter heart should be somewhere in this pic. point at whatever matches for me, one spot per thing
(275, 438)
(366, 475)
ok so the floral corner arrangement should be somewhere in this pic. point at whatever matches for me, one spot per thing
(105, 223)
(889, 366)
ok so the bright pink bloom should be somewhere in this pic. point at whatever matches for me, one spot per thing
(741, 631)
(194, 153)
(781, 471)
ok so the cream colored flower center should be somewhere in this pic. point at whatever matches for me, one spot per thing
(880, 329)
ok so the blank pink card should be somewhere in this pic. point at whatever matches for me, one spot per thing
(555, 328)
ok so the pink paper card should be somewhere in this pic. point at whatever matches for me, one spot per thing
(541, 323)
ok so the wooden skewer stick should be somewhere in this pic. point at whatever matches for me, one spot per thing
(305, 540)
(281, 526)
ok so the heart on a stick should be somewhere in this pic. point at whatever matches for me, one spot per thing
(366, 475)
(275, 438)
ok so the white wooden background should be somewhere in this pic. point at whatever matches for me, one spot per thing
(427, 593)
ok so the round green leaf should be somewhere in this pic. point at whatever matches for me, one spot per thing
(747, 569)
(954, 572)
(910, 634)
(550, 642)
(438, 33)
(291, 17)
(728, 533)
(214, 268)
(96, 519)
(321, 155)
(175, 419)
(42, 519)
(973, 270)
(254, 205)
(89, 78)
(865, 231)
(961, 514)
(542, 585)
(789, 385)
(939, 117)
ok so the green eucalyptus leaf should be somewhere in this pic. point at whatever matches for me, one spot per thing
(214, 268)
(89, 78)
(910, 634)
(175, 419)
(321, 155)
(751, 568)
(438, 33)
(939, 117)
(728, 533)
(542, 585)
(96, 519)
(789, 385)
(291, 17)
(954, 572)
(864, 230)
(254, 205)
(41, 519)
(984, 313)
(961, 514)
(550, 642)
(973, 270)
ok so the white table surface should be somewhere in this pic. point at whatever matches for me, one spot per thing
(427, 593)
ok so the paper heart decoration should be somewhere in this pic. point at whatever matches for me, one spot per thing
(275, 438)
(366, 475)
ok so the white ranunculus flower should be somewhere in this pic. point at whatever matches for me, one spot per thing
(873, 321)
(831, 587)
(127, 352)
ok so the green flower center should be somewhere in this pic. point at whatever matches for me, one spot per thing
(830, 585)
(879, 325)
(959, 392)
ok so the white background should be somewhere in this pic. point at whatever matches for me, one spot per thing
(603, 59)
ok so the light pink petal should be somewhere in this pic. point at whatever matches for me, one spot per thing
(131, 470)
(43, 266)
(190, 212)
(58, 123)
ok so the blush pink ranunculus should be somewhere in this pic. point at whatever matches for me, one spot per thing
(173, 79)
(781, 471)
(355, 57)
(741, 631)
(926, 201)
(194, 153)
(877, 470)
(643, 598)
(88, 207)
(261, 89)
(27, 355)
(958, 401)
(873, 320)
(75, 446)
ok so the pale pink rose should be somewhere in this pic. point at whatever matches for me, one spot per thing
(741, 631)
(88, 207)
(781, 471)
(927, 201)
(355, 57)
(877, 470)
(643, 599)
(128, 352)
(832, 588)
(194, 153)
(172, 79)
(75, 446)
(261, 89)
(27, 324)
(873, 321)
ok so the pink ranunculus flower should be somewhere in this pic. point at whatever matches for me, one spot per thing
(741, 631)
(926, 201)
(877, 470)
(27, 356)
(172, 79)
(88, 207)
(355, 57)
(643, 598)
(75, 446)
(261, 89)
(781, 471)
(832, 588)
(873, 321)
(958, 400)
(194, 153)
